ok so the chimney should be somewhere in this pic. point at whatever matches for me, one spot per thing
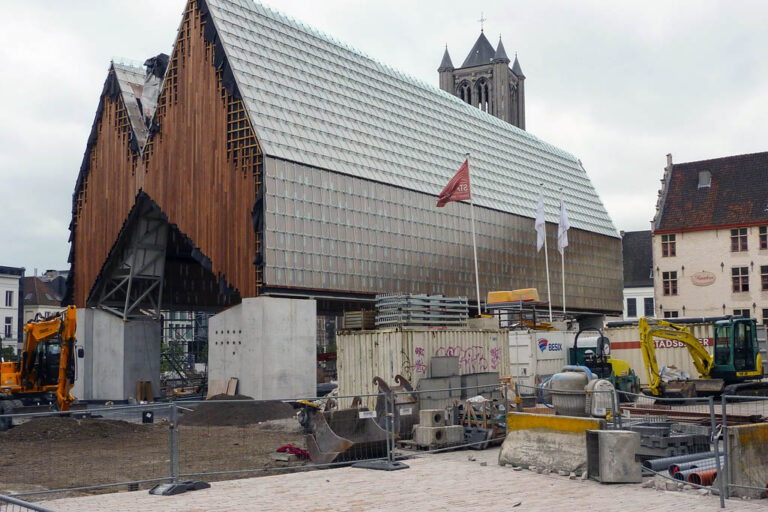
(669, 159)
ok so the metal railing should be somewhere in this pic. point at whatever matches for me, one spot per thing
(10, 504)
(136, 446)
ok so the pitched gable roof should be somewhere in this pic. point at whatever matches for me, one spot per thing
(737, 195)
(638, 258)
(38, 293)
(314, 100)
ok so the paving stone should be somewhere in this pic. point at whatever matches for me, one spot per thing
(446, 481)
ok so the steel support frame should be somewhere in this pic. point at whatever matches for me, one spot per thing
(133, 287)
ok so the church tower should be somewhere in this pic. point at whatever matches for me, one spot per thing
(486, 81)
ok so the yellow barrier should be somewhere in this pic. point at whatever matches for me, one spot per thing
(526, 421)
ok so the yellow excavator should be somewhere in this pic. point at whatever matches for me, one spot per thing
(45, 373)
(735, 368)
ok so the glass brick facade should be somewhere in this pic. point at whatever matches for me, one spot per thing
(328, 231)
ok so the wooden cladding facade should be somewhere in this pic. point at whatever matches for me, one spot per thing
(203, 169)
(104, 197)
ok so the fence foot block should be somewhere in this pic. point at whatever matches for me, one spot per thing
(381, 465)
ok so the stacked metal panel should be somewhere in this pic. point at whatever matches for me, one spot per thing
(398, 310)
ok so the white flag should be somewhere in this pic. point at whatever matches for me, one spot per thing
(540, 225)
(562, 228)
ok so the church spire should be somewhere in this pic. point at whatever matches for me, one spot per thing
(446, 64)
(480, 54)
(501, 54)
(516, 69)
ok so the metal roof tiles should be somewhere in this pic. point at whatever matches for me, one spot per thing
(318, 101)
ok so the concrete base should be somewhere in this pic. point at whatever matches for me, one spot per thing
(454, 434)
(748, 459)
(611, 456)
(557, 443)
(117, 354)
(268, 344)
(430, 436)
(432, 417)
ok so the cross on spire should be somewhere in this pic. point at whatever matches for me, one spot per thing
(482, 20)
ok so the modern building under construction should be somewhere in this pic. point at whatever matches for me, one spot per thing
(266, 158)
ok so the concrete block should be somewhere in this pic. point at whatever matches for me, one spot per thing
(454, 434)
(443, 366)
(748, 459)
(432, 417)
(439, 388)
(556, 443)
(435, 403)
(268, 344)
(485, 383)
(611, 456)
(430, 436)
(117, 354)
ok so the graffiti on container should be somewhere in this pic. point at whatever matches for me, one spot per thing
(471, 359)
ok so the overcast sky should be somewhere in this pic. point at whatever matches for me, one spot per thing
(618, 84)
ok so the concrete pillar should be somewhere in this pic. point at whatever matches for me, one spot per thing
(268, 344)
(116, 355)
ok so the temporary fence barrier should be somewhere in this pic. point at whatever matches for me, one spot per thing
(10, 504)
(136, 446)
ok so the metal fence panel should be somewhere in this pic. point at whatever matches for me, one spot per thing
(85, 449)
(10, 504)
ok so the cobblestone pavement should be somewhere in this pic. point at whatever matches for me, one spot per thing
(442, 482)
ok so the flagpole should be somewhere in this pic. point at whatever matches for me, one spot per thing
(562, 259)
(546, 262)
(474, 244)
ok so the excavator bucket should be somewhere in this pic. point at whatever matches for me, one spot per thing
(344, 436)
(692, 388)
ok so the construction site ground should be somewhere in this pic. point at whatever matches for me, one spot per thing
(456, 481)
(63, 453)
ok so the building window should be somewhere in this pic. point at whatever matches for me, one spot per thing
(669, 280)
(9, 298)
(764, 277)
(765, 317)
(670, 314)
(648, 307)
(740, 279)
(8, 327)
(744, 313)
(764, 237)
(738, 239)
(632, 307)
(668, 248)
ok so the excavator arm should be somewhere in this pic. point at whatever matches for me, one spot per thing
(702, 360)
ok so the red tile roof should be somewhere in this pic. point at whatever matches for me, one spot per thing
(737, 196)
(38, 293)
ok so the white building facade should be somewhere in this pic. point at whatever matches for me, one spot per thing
(10, 309)
(710, 239)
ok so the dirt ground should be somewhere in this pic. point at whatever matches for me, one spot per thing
(55, 453)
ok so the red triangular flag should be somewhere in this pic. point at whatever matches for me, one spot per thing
(458, 188)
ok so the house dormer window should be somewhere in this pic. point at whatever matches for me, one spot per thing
(705, 179)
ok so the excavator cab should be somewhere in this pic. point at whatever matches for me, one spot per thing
(736, 350)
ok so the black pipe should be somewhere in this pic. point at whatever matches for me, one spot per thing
(664, 463)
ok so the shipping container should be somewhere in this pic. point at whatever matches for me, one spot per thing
(625, 344)
(385, 353)
(536, 355)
